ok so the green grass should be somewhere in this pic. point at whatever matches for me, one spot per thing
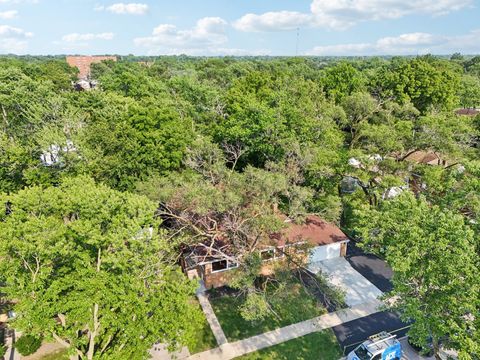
(317, 346)
(204, 339)
(293, 305)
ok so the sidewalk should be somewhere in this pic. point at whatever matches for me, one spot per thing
(210, 315)
(232, 350)
(160, 352)
(11, 354)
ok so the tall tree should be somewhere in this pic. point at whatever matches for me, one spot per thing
(426, 82)
(341, 80)
(436, 283)
(469, 91)
(84, 266)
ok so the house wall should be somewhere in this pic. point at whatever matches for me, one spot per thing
(343, 249)
(330, 251)
(216, 279)
(223, 278)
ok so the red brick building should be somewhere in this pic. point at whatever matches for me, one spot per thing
(83, 63)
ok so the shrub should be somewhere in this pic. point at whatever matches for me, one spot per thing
(27, 344)
(3, 350)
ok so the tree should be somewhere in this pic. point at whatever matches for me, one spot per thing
(446, 134)
(469, 91)
(33, 119)
(358, 107)
(341, 80)
(424, 81)
(28, 344)
(56, 71)
(457, 57)
(13, 161)
(83, 268)
(472, 66)
(266, 112)
(432, 254)
(125, 141)
(213, 203)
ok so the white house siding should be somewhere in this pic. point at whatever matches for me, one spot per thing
(325, 252)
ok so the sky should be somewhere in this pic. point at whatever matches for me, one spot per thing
(240, 27)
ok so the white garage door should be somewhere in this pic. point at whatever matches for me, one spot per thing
(325, 252)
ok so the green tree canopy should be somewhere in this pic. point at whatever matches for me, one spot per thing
(85, 265)
(341, 80)
(425, 82)
(432, 254)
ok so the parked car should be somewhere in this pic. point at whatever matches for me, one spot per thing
(383, 346)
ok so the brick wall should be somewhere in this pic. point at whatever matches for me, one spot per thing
(216, 279)
(83, 63)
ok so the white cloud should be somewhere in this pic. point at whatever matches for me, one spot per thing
(76, 37)
(123, 8)
(406, 44)
(272, 21)
(13, 39)
(167, 39)
(342, 14)
(7, 31)
(10, 14)
(345, 13)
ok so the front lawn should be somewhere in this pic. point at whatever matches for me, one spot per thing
(291, 305)
(204, 338)
(317, 346)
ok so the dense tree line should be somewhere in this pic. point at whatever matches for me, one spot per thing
(84, 175)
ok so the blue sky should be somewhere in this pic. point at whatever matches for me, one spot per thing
(240, 27)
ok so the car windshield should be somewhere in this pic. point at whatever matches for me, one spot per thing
(362, 353)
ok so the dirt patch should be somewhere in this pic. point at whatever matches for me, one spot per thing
(45, 349)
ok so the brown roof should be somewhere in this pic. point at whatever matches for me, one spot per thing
(314, 230)
(83, 63)
(424, 157)
(467, 112)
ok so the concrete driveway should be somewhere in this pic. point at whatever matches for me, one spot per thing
(340, 273)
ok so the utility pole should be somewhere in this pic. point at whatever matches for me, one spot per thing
(298, 40)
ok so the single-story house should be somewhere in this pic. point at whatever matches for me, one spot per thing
(323, 239)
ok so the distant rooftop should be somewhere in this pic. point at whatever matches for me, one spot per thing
(468, 112)
(83, 63)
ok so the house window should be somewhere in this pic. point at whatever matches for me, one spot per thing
(219, 265)
(267, 254)
(231, 264)
(222, 265)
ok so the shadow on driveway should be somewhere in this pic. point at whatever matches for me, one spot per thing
(370, 266)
